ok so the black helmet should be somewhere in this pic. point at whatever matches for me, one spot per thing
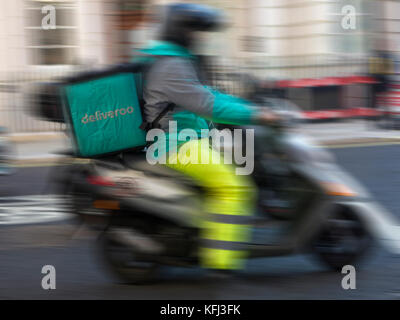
(182, 19)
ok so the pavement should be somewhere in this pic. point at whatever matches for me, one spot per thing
(351, 132)
(39, 147)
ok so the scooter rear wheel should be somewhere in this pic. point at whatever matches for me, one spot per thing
(124, 263)
(343, 240)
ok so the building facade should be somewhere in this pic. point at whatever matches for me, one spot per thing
(281, 39)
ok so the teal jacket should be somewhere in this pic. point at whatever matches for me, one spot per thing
(173, 78)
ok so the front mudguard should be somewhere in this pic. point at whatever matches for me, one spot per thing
(381, 224)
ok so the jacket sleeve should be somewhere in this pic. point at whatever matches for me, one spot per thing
(174, 79)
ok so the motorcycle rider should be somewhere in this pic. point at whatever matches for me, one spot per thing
(173, 79)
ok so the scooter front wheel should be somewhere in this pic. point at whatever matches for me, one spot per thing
(343, 239)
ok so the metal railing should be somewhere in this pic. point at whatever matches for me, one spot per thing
(15, 102)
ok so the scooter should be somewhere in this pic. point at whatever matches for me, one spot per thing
(148, 215)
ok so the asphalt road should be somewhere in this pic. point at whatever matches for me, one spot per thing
(26, 248)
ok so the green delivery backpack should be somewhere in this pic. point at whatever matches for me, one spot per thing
(103, 110)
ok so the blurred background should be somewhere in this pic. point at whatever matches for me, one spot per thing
(333, 68)
(277, 39)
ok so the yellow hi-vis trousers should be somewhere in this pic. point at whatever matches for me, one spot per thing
(229, 201)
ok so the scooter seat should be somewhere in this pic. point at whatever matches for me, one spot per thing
(138, 161)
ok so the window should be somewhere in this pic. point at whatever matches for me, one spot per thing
(52, 46)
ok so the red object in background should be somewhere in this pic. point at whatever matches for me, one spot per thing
(340, 114)
(390, 98)
(361, 79)
(328, 81)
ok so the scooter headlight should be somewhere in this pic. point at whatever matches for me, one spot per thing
(338, 189)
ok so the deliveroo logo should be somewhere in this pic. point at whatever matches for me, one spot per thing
(98, 115)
